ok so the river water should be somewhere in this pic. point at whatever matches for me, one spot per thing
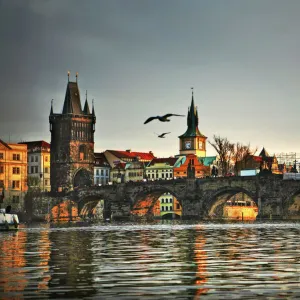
(162, 260)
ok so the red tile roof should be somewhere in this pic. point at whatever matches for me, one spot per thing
(170, 160)
(34, 144)
(146, 156)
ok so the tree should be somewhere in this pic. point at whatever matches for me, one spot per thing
(241, 156)
(225, 150)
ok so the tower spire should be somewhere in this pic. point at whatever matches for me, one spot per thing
(93, 109)
(76, 76)
(86, 109)
(68, 76)
(51, 110)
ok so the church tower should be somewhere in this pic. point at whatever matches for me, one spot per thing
(192, 141)
(72, 142)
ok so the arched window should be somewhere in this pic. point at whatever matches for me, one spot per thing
(83, 152)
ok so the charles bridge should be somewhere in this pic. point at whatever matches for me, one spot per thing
(199, 198)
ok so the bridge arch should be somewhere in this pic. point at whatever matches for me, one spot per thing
(289, 201)
(82, 178)
(221, 196)
(144, 201)
(95, 204)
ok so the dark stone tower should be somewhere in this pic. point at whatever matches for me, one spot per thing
(192, 141)
(72, 142)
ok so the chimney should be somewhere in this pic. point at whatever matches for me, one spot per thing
(128, 150)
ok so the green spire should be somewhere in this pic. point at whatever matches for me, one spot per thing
(192, 121)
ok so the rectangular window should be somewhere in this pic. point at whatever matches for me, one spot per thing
(167, 175)
(31, 169)
(1, 155)
(16, 156)
(177, 206)
(36, 158)
(28, 170)
(16, 199)
(97, 172)
(36, 169)
(167, 208)
(15, 184)
(1, 169)
(46, 182)
(162, 175)
(1, 183)
(47, 170)
(162, 208)
(171, 175)
(46, 158)
(16, 170)
(101, 172)
(106, 172)
(32, 158)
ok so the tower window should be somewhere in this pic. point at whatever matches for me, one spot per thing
(82, 152)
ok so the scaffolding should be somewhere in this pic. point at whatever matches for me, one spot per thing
(289, 159)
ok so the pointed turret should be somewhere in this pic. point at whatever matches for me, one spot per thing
(86, 108)
(264, 153)
(72, 104)
(93, 110)
(51, 110)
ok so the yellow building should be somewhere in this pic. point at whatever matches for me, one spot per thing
(169, 205)
(13, 175)
(38, 164)
(240, 207)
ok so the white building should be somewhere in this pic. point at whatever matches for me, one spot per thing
(101, 169)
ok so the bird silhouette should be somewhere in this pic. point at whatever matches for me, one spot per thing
(162, 118)
(162, 136)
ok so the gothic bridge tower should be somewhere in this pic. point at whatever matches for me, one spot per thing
(72, 142)
(192, 141)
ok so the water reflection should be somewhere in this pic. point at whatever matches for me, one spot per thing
(163, 260)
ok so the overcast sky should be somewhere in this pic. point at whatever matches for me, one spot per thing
(140, 58)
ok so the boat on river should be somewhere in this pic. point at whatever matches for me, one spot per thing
(8, 221)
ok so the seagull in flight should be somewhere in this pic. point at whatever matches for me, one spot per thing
(162, 118)
(162, 135)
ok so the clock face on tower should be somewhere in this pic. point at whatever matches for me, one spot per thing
(187, 145)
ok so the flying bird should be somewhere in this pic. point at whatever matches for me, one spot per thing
(162, 118)
(162, 135)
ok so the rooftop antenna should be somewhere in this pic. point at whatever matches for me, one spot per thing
(68, 76)
(76, 76)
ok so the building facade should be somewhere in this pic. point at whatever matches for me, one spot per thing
(13, 175)
(161, 168)
(38, 165)
(101, 169)
(72, 142)
(127, 165)
(191, 166)
(192, 141)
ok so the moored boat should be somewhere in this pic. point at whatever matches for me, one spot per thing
(8, 221)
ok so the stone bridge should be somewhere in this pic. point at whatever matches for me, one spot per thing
(198, 197)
